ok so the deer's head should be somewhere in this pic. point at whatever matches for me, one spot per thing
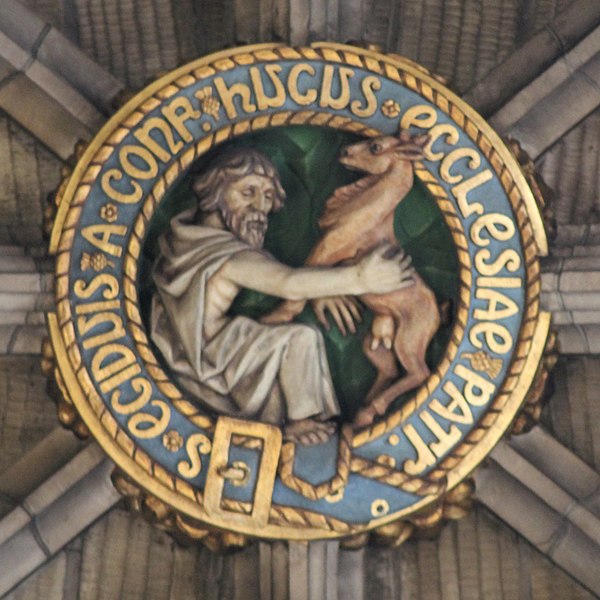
(378, 155)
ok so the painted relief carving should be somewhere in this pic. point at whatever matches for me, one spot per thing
(297, 294)
(358, 218)
(234, 365)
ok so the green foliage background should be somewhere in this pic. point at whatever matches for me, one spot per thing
(306, 158)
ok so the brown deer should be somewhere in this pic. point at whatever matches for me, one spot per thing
(357, 218)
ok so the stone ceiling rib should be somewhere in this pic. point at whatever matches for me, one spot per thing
(53, 514)
(25, 293)
(42, 42)
(60, 101)
(37, 465)
(136, 41)
(544, 111)
(541, 50)
(534, 484)
(550, 497)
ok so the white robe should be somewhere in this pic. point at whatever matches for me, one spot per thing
(264, 372)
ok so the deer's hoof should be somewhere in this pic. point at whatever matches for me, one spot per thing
(363, 418)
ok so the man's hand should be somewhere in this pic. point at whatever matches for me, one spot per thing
(345, 311)
(385, 269)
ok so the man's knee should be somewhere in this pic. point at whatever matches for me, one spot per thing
(306, 334)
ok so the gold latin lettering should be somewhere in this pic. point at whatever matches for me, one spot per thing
(499, 306)
(454, 156)
(86, 290)
(508, 259)
(142, 387)
(143, 135)
(327, 100)
(262, 100)
(446, 439)
(474, 382)
(461, 190)
(311, 93)
(452, 137)
(146, 425)
(196, 444)
(121, 357)
(108, 385)
(500, 227)
(178, 112)
(227, 96)
(497, 337)
(499, 282)
(85, 324)
(368, 86)
(144, 155)
(107, 187)
(421, 115)
(99, 236)
(93, 307)
(457, 410)
(425, 457)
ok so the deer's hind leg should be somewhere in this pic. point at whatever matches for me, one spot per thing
(384, 361)
(410, 345)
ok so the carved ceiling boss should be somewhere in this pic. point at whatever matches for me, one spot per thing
(297, 292)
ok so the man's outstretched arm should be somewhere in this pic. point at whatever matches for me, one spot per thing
(373, 274)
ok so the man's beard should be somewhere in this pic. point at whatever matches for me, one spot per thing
(249, 225)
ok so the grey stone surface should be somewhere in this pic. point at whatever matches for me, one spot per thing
(570, 167)
(524, 506)
(57, 100)
(68, 502)
(543, 111)
(351, 580)
(553, 490)
(122, 556)
(573, 415)
(579, 339)
(64, 480)
(27, 415)
(27, 339)
(87, 500)
(562, 466)
(559, 72)
(298, 566)
(16, 520)
(19, 557)
(37, 465)
(47, 46)
(541, 50)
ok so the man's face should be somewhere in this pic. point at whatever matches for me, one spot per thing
(248, 201)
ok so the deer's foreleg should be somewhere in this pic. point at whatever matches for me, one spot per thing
(334, 247)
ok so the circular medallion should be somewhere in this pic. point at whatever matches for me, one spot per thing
(196, 239)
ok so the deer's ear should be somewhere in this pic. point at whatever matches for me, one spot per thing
(422, 140)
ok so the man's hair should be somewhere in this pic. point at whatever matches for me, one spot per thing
(228, 167)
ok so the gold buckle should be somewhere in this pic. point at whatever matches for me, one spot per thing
(238, 473)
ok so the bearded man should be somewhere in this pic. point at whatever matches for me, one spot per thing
(232, 364)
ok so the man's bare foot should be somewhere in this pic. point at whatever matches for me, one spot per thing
(308, 432)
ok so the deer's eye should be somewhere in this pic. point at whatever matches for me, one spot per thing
(376, 148)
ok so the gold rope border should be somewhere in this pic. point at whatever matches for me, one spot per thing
(67, 221)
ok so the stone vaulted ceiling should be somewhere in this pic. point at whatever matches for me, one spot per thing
(533, 68)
